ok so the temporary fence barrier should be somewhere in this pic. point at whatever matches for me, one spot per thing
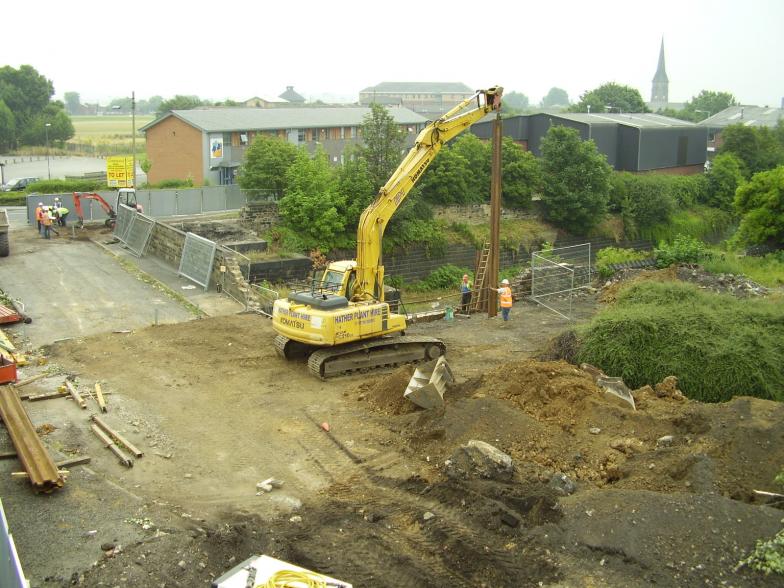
(11, 574)
(556, 274)
(138, 234)
(198, 255)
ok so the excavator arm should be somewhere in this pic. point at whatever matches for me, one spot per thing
(107, 208)
(373, 222)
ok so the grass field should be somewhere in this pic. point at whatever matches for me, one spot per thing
(107, 129)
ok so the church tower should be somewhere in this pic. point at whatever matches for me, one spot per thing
(660, 86)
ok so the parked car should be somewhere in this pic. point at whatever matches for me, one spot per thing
(18, 184)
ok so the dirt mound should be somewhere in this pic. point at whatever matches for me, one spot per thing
(386, 394)
(609, 293)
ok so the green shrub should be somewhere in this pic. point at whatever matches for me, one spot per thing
(173, 184)
(701, 222)
(612, 255)
(446, 277)
(718, 346)
(768, 556)
(64, 186)
(683, 249)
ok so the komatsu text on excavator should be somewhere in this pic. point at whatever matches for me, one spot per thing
(342, 321)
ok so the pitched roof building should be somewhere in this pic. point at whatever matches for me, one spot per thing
(210, 144)
(291, 96)
(630, 141)
(431, 99)
(750, 116)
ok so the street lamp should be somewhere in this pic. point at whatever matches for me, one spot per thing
(46, 131)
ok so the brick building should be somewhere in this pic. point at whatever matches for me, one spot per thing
(210, 144)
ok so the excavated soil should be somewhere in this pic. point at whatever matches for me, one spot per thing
(600, 494)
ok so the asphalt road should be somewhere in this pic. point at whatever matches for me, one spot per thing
(37, 166)
(73, 288)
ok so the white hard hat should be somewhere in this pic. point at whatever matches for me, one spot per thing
(504, 281)
(40, 204)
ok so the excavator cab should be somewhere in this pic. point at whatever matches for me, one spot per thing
(127, 196)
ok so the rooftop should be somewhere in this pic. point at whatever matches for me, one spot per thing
(419, 87)
(751, 116)
(258, 119)
(632, 119)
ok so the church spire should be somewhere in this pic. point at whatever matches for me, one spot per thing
(660, 85)
(661, 74)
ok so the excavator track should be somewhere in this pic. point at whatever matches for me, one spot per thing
(374, 353)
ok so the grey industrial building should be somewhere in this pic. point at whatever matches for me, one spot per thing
(750, 116)
(631, 142)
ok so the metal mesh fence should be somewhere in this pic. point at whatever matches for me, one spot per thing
(556, 274)
(198, 255)
(123, 222)
(138, 234)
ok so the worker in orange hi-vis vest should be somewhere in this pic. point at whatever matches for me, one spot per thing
(39, 216)
(505, 298)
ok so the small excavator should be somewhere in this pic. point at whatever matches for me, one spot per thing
(126, 196)
(342, 323)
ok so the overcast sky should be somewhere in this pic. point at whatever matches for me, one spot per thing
(239, 49)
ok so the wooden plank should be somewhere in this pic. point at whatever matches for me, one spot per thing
(30, 380)
(99, 397)
(73, 461)
(76, 396)
(124, 459)
(45, 396)
(116, 436)
(25, 475)
(8, 455)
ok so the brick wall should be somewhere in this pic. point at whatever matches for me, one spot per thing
(175, 150)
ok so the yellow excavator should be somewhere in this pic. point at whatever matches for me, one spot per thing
(342, 322)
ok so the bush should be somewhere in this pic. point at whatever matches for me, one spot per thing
(172, 184)
(64, 186)
(612, 255)
(701, 222)
(683, 249)
(717, 346)
(446, 277)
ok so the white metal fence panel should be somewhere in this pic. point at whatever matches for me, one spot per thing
(11, 574)
(556, 274)
(125, 216)
(198, 255)
(139, 233)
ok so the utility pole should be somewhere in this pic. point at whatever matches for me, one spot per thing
(133, 134)
(493, 263)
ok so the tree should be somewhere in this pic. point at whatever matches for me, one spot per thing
(72, 102)
(447, 180)
(267, 162)
(179, 103)
(761, 204)
(312, 205)
(611, 97)
(27, 95)
(521, 175)
(7, 127)
(724, 177)
(478, 154)
(383, 143)
(758, 148)
(707, 103)
(355, 186)
(555, 97)
(515, 101)
(575, 178)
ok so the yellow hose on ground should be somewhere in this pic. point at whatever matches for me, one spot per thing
(292, 579)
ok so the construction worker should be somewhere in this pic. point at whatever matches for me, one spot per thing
(505, 298)
(465, 294)
(61, 212)
(39, 215)
(46, 223)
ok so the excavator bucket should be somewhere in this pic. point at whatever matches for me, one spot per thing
(428, 384)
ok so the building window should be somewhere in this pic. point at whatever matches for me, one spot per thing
(244, 139)
(301, 135)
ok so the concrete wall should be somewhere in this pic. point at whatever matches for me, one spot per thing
(280, 270)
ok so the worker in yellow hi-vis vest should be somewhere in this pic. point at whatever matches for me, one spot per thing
(505, 298)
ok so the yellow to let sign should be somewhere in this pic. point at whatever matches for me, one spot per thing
(119, 171)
